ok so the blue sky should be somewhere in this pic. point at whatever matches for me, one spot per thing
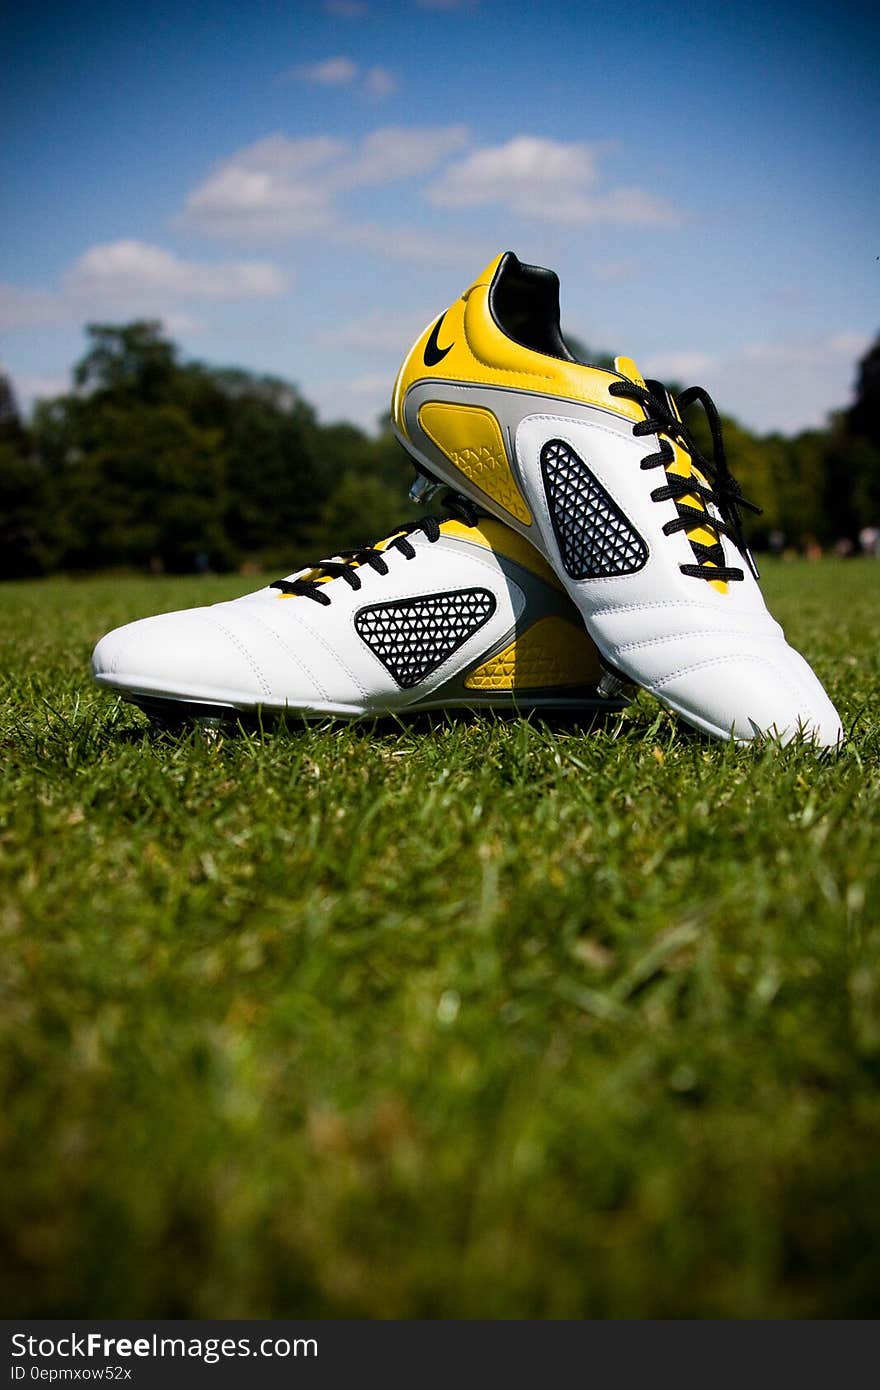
(299, 187)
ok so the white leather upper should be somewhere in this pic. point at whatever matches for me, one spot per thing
(718, 658)
(291, 651)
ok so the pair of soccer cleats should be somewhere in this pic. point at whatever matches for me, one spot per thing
(592, 546)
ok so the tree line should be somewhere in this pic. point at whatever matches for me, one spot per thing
(154, 463)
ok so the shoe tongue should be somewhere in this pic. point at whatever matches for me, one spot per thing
(384, 543)
(625, 366)
(682, 464)
(317, 577)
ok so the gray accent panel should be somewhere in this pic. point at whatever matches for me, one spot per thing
(510, 407)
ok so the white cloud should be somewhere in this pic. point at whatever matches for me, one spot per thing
(525, 166)
(177, 324)
(131, 277)
(133, 270)
(282, 187)
(853, 345)
(332, 72)
(360, 400)
(379, 82)
(398, 152)
(413, 244)
(376, 82)
(551, 180)
(271, 188)
(390, 331)
(811, 353)
(278, 154)
(679, 366)
(784, 386)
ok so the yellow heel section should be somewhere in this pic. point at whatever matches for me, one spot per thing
(471, 439)
(551, 653)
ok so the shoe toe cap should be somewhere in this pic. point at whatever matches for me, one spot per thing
(753, 694)
(187, 655)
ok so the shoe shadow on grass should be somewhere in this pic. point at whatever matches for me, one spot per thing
(173, 720)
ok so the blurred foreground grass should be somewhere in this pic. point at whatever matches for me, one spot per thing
(479, 1020)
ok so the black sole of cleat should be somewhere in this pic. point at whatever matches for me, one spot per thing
(168, 714)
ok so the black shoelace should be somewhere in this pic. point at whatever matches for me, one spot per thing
(723, 492)
(348, 562)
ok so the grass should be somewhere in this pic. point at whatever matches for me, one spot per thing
(484, 1020)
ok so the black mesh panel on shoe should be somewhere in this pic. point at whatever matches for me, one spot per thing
(595, 538)
(414, 636)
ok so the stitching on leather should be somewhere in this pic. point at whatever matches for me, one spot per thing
(500, 371)
(335, 654)
(694, 633)
(659, 603)
(606, 429)
(294, 656)
(727, 661)
(236, 642)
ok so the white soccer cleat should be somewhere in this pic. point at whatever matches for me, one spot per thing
(598, 471)
(461, 613)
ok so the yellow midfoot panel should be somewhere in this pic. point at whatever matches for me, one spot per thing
(471, 439)
(551, 653)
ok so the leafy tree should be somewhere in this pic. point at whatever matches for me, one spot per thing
(25, 530)
(130, 359)
(853, 460)
(155, 462)
(360, 511)
(12, 429)
(863, 417)
(26, 547)
(799, 466)
(147, 489)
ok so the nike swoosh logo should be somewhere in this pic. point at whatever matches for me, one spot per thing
(434, 353)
